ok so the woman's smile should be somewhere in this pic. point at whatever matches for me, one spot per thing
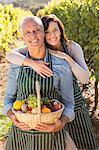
(52, 35)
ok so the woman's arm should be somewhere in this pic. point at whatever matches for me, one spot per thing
(76, 61)
(16, 56)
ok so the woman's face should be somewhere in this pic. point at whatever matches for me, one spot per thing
(53, 35)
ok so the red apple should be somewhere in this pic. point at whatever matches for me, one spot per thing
(56, 107)
(29, 108)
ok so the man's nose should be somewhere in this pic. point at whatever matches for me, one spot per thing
(33, 33)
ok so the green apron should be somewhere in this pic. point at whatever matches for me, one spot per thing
(80, 129)
(35, 140)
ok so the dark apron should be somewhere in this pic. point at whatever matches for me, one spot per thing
(35, 140)
(80, 129)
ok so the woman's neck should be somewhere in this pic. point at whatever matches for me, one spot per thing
(60, 47)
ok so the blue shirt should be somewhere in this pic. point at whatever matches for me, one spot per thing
(63, 82)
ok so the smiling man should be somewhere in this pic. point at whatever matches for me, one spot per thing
(21, 83)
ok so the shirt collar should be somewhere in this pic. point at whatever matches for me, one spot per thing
(45, 58)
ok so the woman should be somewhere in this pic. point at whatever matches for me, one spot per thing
(81, 128)
(43, 136)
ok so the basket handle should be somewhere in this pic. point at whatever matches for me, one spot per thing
(38, 98)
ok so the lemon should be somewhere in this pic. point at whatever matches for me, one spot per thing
(17, 105)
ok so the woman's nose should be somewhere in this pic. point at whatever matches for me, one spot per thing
(52, 34)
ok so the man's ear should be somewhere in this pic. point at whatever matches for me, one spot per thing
(23, 40)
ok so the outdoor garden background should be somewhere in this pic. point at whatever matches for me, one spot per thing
(81, 21)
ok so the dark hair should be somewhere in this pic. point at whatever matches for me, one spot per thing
(52, 18)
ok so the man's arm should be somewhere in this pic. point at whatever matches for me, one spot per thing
(11, 88)
(67, 92)
(10, 97)
(63, 82)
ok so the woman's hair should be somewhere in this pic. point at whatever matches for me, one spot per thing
(52, 18)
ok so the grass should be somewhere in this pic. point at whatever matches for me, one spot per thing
(5, 124)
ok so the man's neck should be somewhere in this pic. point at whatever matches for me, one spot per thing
(37, 53)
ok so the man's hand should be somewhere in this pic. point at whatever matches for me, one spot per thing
(18, 124)
(49, 127)
(58, 125)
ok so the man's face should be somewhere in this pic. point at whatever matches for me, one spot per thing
(33, 35)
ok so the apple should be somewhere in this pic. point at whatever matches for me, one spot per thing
(29, 108)
(56, 107)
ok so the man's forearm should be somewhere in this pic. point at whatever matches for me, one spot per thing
(64, 119)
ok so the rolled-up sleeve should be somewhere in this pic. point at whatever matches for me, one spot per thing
(67, 92)
(11, 88)
(63, 82)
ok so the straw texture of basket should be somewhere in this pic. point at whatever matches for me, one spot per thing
(31, 119)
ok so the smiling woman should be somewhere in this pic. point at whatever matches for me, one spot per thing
(52, 35)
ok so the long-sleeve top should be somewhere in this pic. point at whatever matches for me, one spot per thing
(63, 82)
(79, 69)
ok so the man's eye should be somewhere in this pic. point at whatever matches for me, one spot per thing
(38, 30)
(28, 32)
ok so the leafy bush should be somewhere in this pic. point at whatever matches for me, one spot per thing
(80, 19)
(5, 124)
(9, 24)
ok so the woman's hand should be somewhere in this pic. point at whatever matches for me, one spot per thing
(64, 56)
(59, 54)
(39, 66)
(50, 127)
(18, 124)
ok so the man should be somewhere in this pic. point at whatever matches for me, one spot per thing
(33, 35)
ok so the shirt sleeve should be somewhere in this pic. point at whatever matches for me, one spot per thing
(16, 56)
(66, 89)
(11, 88)
(63, 82)
(80, 68)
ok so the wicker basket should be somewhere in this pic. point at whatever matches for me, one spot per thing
(31, 119)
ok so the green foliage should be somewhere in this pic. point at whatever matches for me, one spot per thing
(5, 124)
(96, 71)
(80, 19)
(10, 18)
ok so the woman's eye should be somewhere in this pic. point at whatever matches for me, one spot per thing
(54, 30)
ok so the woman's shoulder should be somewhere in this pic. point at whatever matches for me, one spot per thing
(74, 48)
(75, 45)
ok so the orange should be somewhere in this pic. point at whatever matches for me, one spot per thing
(46, 110)
(17, 104)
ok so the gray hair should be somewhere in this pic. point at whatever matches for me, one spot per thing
(32, 19)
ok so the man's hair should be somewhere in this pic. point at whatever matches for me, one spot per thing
(32, 19)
